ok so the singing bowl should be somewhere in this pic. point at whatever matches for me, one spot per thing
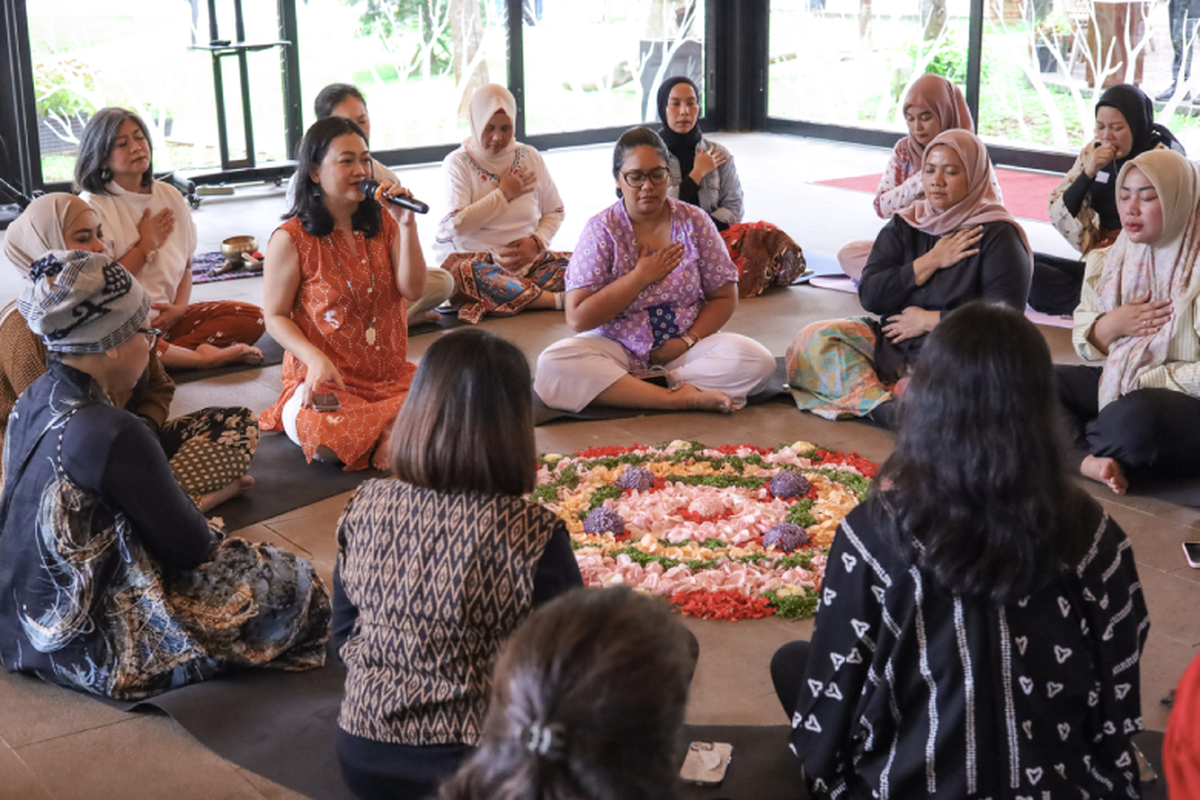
(234, 246)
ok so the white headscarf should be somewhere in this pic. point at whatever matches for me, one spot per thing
(486, 101)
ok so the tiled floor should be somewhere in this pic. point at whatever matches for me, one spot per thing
(54, 743)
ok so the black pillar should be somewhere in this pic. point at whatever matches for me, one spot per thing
(20, 155)
(293, 112)
(736, 64)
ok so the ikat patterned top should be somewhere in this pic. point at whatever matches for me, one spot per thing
(439, 582)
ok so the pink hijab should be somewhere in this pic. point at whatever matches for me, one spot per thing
(979, 206)
(1164, 268)
(939, 95)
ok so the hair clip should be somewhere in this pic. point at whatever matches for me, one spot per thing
(548, 740)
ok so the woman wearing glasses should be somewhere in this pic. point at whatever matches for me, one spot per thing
(209, 450)
(502, 211)
(649, 287)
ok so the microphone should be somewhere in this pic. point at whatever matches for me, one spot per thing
(370, 188)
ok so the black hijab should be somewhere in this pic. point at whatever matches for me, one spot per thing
(1138, 110)
(681, 145)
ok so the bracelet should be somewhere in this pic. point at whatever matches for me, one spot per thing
(689, 340)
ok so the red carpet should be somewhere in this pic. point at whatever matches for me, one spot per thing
(1025, 193)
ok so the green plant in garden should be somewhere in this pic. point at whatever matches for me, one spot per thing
(63, 87)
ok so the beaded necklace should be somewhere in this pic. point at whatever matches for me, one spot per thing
(370, 334)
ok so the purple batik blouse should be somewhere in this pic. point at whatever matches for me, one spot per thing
(607, 250)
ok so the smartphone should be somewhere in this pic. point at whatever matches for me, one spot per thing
(706, 762)
(1192, 551)
(325, 401)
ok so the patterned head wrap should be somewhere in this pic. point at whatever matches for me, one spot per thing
(82, 302)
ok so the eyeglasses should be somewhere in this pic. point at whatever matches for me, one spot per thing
(635, 177)
(154, 333)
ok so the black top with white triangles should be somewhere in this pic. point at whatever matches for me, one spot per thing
(912, 692)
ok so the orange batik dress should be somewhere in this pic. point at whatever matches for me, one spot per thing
(348, 306)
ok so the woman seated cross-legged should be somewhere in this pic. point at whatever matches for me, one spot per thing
(437, 569)
(337, 275)
(955, 245)
(981, 618)
(651, 285)
(1137, 417)
(503, 211)
(152, 233)
(209, 449)
(111, 580)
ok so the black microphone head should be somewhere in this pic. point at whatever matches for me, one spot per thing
(369, 186)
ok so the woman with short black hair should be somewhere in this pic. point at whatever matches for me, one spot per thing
(981, 619)
(436, 569)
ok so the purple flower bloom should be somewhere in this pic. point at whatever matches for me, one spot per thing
(638, 478)
(787, 484)
(786, 536)
(603, 519)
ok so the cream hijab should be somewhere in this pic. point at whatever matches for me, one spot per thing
(486, 101)
(979, 206)
(41, 228)
(1164, 267)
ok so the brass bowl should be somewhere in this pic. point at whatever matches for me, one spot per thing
(233, 247)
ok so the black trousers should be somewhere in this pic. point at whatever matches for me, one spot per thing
(1151, 433)
(787, 673)
(1183, 16)
(383, 771)
(1056, 284)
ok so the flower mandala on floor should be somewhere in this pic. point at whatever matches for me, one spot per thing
(729, 532)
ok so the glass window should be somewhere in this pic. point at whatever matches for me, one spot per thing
(609, 75)
(133, 54)
(1046, 61)
(416, 61)
(850, 62)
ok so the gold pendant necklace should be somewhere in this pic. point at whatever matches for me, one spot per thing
(370, 334)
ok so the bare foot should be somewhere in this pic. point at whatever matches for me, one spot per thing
(211, 500)
(217, 356)
(1104, 470)
(382, 457)
(691, 397)
(425, 318)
